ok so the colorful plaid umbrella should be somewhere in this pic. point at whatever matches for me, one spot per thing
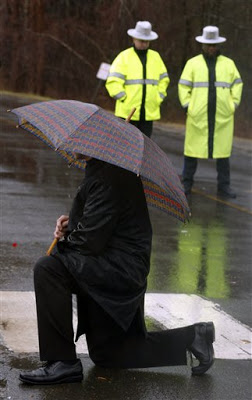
(70, 126)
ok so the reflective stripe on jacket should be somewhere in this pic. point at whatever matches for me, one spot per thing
(193, 94)
(125, 83)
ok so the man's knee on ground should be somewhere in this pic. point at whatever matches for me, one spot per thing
(100, 359)
(107, 356)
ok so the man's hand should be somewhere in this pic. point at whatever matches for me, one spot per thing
(61, 226)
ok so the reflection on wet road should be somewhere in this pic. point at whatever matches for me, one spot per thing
(202, 260)
(210, 256)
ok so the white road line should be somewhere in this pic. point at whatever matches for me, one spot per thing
(18, 324)
(233, 339)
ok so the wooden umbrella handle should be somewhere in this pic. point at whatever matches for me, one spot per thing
(54, 242)
(130, 115)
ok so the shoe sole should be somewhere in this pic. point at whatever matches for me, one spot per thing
(70, 379)
(210, 332)
(210, 335)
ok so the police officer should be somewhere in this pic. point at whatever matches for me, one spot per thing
(210, 89)
(138, 78)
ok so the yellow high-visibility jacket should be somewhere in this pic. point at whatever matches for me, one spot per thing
(125, 84)
(193, 94)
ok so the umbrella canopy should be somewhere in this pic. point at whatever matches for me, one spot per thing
(70, 127)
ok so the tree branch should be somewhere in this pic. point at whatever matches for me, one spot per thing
(65, 45)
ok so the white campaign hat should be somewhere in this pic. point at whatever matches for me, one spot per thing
(210, 36)
(143, 31)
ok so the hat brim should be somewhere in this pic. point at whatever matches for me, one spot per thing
(133, 33)
(201, 39)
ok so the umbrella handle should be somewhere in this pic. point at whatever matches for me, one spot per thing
(54, 242)
(130, 115)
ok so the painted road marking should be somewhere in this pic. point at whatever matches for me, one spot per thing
(18, 324)
(218, 199)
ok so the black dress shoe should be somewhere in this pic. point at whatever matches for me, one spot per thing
(226, 192)
(202, 347)
(54, 372)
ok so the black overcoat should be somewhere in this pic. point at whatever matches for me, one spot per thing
(108, 243)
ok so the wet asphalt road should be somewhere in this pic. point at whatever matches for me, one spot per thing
(210, 257)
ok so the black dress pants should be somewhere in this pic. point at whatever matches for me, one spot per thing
(190, 167)
(108, 344)
(144, 126)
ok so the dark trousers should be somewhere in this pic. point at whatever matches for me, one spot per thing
(190, 167)
(108, 344)
(144, 126)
